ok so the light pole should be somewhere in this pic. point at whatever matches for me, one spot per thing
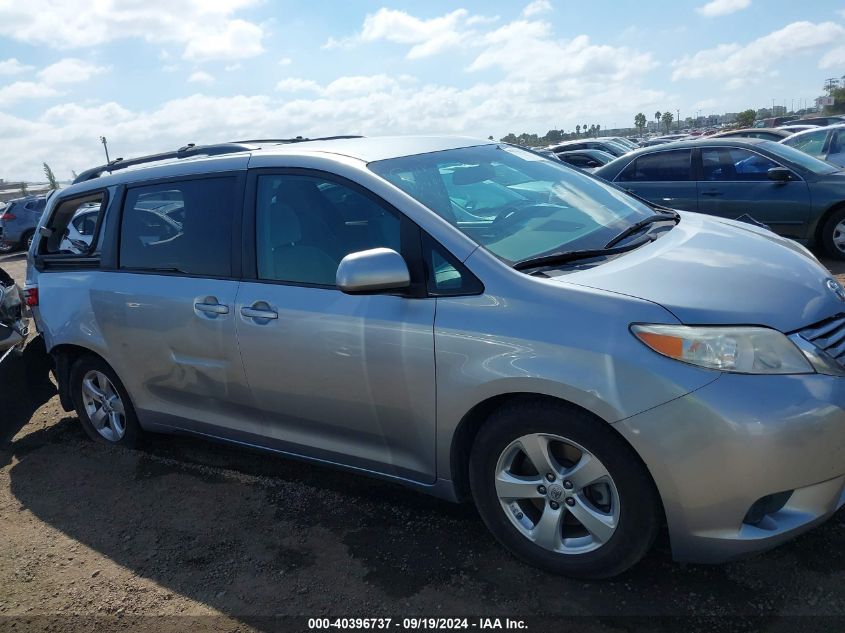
(105, 147)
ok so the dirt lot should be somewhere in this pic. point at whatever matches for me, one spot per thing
(189, 528)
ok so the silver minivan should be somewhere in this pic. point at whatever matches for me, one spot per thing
(466, 318)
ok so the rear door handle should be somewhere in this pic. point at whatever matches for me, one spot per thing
(259, 310)
(711, 194)
(210, 306)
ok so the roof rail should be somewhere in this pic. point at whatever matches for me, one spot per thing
(299, 139)
(196, 150)
(183, 152)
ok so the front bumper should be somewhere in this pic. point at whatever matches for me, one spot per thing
(715, 452)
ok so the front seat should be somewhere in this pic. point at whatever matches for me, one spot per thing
(297, 257)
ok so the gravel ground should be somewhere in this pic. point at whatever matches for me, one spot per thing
(190, 528)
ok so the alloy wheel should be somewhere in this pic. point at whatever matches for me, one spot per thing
(839, 236)
(104, 406)
(557, 494)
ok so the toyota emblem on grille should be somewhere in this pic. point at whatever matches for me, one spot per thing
(836, 288)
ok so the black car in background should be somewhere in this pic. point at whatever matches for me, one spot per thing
(791, 192)
(588, 159)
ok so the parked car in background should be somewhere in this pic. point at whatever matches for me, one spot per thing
(549, 362)
(776, 121)
(794, 128)
(796, 195)
(661, 140)
(586, 159)
(611, 147)
(621, 140)
(766, 133)
(18, 221)
(825, 143)
(833, 119)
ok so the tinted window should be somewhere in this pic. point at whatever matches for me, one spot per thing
(199, 244)
(658, 167)
(305, 225)
(733, 163)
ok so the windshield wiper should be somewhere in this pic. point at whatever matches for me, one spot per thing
(636, 226)
(564, 257)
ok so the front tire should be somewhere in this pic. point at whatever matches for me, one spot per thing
(562, 491)
(833, 235)
(102, 403)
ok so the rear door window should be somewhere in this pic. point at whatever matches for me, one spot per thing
(674, 165)
(180, 227)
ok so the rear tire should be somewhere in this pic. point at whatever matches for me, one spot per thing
(833, 235)
(594, 516)
(102, 403)
(27, 240)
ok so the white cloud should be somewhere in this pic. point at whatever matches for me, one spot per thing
(522, 49)
(747, 63)
(238, 39)
(834, 58)
(22, 90)
(716, 8)
(536, 7)
(201, 77)
(66, 135)
(206, 29)
(295, 84)
(70, 70)
(427, 37)
(13, 67)
(285, 61)
(50, 79)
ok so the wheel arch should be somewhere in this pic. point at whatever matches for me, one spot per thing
(64, 356)
(472, 422)
(823, 218)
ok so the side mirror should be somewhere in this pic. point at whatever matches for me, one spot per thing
(779, 174)
(372, 271)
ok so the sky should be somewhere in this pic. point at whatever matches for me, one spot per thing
(153, 75)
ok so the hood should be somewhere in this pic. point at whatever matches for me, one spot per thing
(712, 271)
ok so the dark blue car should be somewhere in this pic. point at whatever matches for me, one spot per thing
(18, 221)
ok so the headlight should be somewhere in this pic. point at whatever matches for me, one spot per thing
(743, 350)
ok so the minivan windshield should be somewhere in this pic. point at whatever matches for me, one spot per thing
(517, 204)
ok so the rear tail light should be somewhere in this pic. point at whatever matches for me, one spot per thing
(8, 216)
(30, 296)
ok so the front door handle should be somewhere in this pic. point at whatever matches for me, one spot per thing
(259, 310)
(711, 194)
(209, 305)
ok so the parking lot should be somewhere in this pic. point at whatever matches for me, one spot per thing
(186, 527)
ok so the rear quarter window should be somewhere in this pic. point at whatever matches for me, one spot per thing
(668, 166)
(63, 238)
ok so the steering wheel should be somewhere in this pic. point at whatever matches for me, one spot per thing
(513, 214)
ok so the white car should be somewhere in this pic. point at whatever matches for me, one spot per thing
(826, 143)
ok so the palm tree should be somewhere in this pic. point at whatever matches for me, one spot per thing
(598, 129)
(577, 130)
(639, 122)
(657, 116)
